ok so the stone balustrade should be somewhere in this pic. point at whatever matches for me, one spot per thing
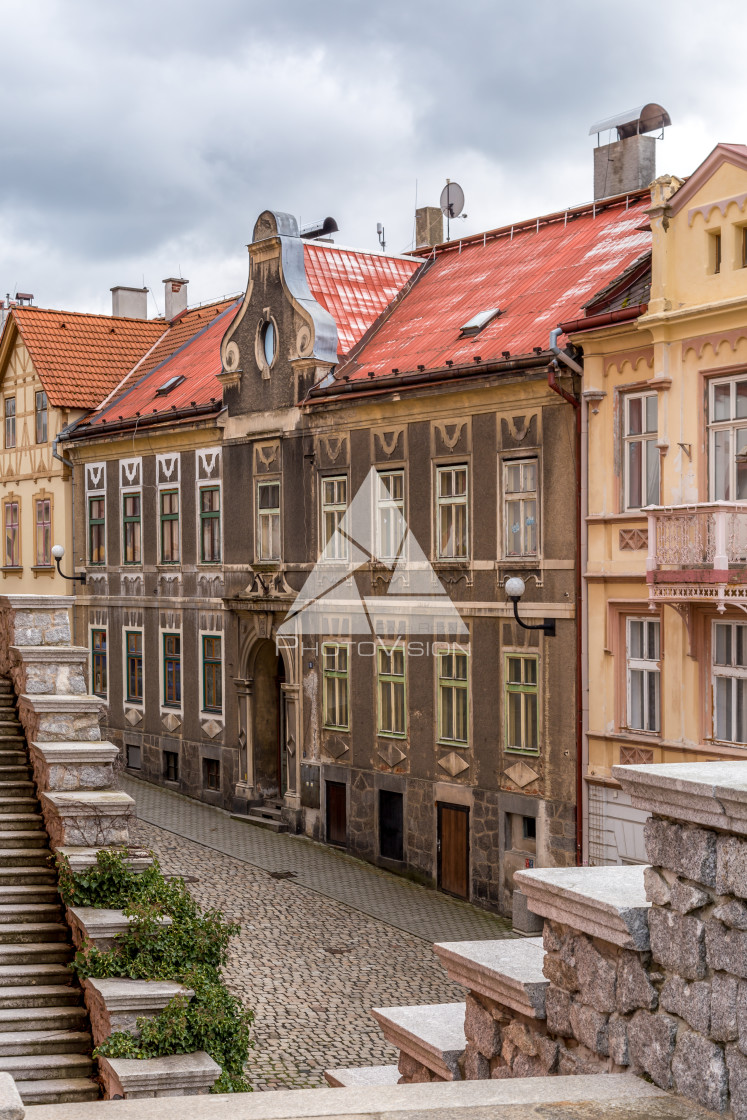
(91, 925)
(176, 1075)
(430, 1039)
(66, 767)
(116, 1003)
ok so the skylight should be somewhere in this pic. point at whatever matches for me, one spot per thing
(479, 322)
(167, 386)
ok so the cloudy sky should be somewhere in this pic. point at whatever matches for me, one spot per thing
(140, 140)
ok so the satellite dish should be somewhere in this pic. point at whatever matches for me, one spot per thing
(452, 200)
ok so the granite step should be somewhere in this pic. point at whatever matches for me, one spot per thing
(25, 975)
(35, 839)
(12, 754)
(506, 971)
(362, 1077)
(21, 822)
(10, 803)
(274, 824)
(12, 857)
(36, 894)
(41, 875)
(21, 933)
(63, 1090)
(54, 1018)
(39, 995)
(15, 773)
(24, 789)
(16, 1044)
(30, 912)
(32, 952)
(27, 1067)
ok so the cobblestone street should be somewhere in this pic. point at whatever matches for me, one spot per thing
(310, 964)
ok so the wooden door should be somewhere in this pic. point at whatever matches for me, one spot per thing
(337, 818)
(453, 849)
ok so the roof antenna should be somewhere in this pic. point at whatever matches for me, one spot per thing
(381, 236)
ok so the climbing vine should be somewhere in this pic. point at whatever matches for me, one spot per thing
(169, 938)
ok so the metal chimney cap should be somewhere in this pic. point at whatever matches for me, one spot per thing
(644, 118)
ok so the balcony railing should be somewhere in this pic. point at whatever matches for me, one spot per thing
(707, 538)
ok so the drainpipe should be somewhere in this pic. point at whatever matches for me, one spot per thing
(69, 464)
(552, 374)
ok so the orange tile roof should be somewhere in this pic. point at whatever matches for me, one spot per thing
(80, 358)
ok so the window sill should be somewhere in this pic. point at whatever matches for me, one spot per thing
(42, 570)
(336, 730)
(451, 744)
(211, 713)
(396, 735)
(266, 565)
(524, 753)
(512, 562)
(11, 570)
(452, 562)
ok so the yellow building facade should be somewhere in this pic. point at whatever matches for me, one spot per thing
(35, 492)
(665, 564)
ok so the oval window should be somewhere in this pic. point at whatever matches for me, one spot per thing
(268, 342)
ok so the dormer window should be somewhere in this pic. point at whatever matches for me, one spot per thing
(479, 322)
(165, 389)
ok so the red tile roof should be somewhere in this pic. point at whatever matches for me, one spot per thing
(353, 286)
(197, 361)
(80, 358)
(180, 331)
(538, 273)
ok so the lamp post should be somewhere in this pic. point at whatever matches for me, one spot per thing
(58, 552)
(515, 588)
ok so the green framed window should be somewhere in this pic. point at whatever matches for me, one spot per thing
(392, 691)
(169, 512)
(134, 665)
(268, 520)
(172, 670)
(209, 524)
(96, 531)
(99, 683)
(212, 674)
(452, 513)
(334, 505)
(131, 529)
(40, 409)
(453, 696)
(335, 662)
(522, 702)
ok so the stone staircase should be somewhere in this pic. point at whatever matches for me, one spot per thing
(45, 1040)
(264, 814)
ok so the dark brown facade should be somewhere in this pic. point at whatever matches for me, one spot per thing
(453, 760)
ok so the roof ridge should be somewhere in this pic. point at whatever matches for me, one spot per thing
(86, 314)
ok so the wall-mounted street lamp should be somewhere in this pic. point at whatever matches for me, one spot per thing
(58, 552)
(515, 588)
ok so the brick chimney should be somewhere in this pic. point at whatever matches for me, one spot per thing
(429, 226)
(130, 303)
(175, 296)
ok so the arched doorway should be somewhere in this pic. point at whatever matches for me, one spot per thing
(268, 722)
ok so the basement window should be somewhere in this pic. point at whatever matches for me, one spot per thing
(167, 386)
(479, 322)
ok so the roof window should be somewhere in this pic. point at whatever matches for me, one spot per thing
(478, 322)
(165, 389)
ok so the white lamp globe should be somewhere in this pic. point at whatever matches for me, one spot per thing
(515, 587)
(58, 551)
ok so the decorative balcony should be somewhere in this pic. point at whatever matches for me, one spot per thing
(698, 553)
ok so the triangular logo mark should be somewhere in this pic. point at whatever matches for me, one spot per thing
(373, 532)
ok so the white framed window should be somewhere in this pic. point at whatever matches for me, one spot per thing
(268, 520)
(452, 514)
(334, 491)
(520, 507)
(643, 645)
(641, 455)
(390, 513)
(727, 439)
(729, 678)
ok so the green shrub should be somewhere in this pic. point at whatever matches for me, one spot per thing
(190, 950)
